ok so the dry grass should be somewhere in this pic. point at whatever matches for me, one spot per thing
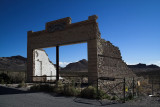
(15, 77)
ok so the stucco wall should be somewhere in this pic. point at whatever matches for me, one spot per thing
(43, 66)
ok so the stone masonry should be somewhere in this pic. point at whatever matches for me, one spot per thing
(110, 63)
(103, 57)
(62, 32)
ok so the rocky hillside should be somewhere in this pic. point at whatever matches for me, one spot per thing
(81, 65)
(19, 63)
(140, 65)
(143, 69)
(14, 63)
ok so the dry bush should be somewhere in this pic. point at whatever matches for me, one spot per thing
(14, 77)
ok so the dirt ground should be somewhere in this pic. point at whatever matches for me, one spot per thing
(21, 97)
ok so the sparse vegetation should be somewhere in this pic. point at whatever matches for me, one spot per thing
(103, 95)
(2, 81)
(42, 87)
(70, 90)
(129, 97)
(144, 88)
(58, 88)
(22, 84)
(12, 77)
(4, 78)
(114, 98)
(91, 93)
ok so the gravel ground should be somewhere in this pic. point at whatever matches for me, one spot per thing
(146, 101)
(13, 97)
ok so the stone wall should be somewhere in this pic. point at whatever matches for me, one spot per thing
(104, 59)
(110, 63)
(62, 32)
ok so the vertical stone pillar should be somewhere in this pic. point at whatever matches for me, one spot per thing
(92, 61)
(29, 60)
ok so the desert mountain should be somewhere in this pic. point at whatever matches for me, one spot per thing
(19, 63)
(81, 65)
(140, 65)
(143, 69)
(13, 63)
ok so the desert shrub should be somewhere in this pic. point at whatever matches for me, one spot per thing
(42, 87)
(35, 87)
(67, 89)
(140, 90)
(4, 78)
(70, 90)
(46, 88)
(16, 77)
(129, 97)
(12, 76)
(144, 88)
(58, 88)
(2, 81)
(89, 92)
(22, 84)
(114, 98)
(103, 95)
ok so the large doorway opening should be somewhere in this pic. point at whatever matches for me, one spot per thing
(73, 60)
(62, 32)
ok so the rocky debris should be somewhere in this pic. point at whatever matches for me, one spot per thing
(145, 101)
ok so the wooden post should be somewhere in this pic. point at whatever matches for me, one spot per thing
(57, 63)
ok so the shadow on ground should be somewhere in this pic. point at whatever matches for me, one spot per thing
(95, 102)
(7, 90)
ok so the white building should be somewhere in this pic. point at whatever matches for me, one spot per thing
(43, 66)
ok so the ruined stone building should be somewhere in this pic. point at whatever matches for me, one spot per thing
(104, 59)
(110, 63)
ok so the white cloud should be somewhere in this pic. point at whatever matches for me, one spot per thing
(63, 64)
(128, 63)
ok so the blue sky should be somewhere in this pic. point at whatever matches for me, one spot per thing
(132, 25)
